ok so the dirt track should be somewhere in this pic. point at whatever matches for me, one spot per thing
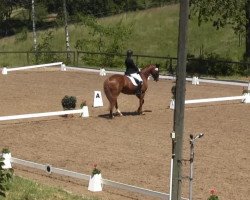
(132, 149)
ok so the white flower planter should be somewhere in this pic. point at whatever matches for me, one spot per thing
(85, 111)
(247, 99)
(95, 183)
(172, 104)
(7, 160)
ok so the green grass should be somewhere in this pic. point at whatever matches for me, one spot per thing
(155, 32)
(22, 189)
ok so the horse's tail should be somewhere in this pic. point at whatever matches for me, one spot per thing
(107, 92)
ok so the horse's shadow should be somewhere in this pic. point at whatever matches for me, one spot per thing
(135, 113)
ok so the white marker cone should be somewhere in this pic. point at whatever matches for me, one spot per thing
(85, 111)
(102, 72)
(63, 67)
(7, 161)
(4, 70)
(172, 104)
(95, 183)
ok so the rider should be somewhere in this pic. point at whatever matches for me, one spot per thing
(133, 70)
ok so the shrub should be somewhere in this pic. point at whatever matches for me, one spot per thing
(213, 195)
(84, 103)
(212, 64)
(5, 150)
(5, 178)
(68, 102)
(95, 170)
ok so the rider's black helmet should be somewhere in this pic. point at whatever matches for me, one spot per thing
(129, 53)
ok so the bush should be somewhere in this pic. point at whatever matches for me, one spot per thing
(5, 178)
(213, 65)
(5, 150)
(69, 102)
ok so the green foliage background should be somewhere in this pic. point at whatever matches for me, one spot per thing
(151, 32)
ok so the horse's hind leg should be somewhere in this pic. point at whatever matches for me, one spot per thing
(112, 105)
(117, 109)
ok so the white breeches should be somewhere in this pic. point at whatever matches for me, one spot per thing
(136, 76)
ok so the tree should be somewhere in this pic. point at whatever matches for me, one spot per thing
(6, 8)
(235, 13)
(109, 39)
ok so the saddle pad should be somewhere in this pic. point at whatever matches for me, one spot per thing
(132, 80)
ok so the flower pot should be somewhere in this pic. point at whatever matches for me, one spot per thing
(247, 98)
(95, 183)
(7, 161)
(172, 104)
(85, 111)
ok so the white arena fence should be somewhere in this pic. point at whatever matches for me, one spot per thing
(87, 69)
(46, 114)
(215, 99)
(49, 169)
(245, 98)
(60, 64)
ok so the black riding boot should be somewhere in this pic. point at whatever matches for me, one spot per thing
(138, 89)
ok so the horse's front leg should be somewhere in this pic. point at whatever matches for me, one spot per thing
(141, 102)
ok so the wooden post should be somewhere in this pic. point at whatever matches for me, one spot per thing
(180, 100)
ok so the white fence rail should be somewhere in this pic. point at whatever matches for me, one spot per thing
(131, 188)
(245, 98)
(6, 70)
(214, 99)
(35, 115)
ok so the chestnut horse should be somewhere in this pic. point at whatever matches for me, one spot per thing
(117, 83)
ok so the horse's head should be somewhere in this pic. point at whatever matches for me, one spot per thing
(155, 72)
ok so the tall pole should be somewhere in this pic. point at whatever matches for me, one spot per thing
(66, 27)
(180, 100)
(34, 25)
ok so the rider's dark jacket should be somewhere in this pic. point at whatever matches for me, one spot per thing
(130, 66)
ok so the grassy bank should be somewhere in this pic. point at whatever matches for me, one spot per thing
(155, 32)
(22, 189)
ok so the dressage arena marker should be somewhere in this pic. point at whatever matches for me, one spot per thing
(35, 115)
(50, 169)
(63, 67)
(102, 72)
(6, 70)
(195, 80)
(97, 99)
(85, 112)
(245, 99)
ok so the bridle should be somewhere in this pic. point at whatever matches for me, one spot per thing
(156, 74)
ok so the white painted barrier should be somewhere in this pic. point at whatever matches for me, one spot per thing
(245, 98)
(6, 70)
(35, 115)
(131, 188)
(214, 99)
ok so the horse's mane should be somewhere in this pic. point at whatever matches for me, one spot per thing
(148, 67)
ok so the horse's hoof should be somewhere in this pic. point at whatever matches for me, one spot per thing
(111, 117)
(141, 113)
